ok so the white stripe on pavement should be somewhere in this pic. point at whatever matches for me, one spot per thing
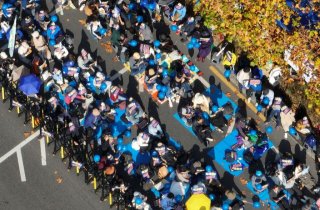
(21, 166)
(43, 152)
(118, 74)
(19, 146)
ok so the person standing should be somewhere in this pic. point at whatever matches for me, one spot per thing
(275, 111)
(41, 46)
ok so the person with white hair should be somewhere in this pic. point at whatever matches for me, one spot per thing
(41, 46)
(201, 101)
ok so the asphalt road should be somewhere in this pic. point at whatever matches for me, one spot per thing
(41, 189)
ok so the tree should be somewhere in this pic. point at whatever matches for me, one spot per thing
(254, 27)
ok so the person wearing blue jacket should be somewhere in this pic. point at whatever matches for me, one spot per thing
(178, 14)
(53, 31)
(7, 10)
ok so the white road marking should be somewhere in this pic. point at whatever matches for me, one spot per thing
(21, 167)
(43, 151)
(118, 74)
(19, 146)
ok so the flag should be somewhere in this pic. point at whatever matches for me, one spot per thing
(12, 38)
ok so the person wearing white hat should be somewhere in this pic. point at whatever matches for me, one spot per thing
(41, 46)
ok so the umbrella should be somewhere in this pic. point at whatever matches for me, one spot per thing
(29, 84)
(19, 72)
(198, 202)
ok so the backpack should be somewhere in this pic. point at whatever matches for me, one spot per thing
(230, 155)
(228, 109)
(248, 156)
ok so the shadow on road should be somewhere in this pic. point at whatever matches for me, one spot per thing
(132, 91)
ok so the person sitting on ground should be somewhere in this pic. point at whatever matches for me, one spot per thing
(187, 114)
(217, 117)
(150, 78)
(145, 34)
(211, 179)
(303, 126)
(178, 14)
(154, 128)
(199, 188)
(167, 201)
(187, 28)
(242, 127)
(84, 59)
(267, 97)
(287, 119)
(202, 102)
(134, 111)
(60, 52)
(168, 154)
(243, 77)
(202, 129)
(137, 64)
(117, 96)
(259, 181)
(167, 45)
(96, 29)
(278, 196)
(139, 201)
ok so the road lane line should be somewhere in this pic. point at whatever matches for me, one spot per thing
(118, 74)
(21, 166)
(43, 151)
(19, 146)
(235, 90)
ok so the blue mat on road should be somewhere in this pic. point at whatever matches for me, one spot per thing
(264, 196)
(218, 152)
(137, 157)
(174, 143)
(119, 126)
(177, 117)
(219, 98)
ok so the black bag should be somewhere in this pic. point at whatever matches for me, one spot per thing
(248, 156)
(228, 109)
(142, 124)
(230, 156)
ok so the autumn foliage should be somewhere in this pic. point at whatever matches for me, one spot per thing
(251, 26)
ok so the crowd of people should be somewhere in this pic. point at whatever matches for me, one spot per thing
(87, 116)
